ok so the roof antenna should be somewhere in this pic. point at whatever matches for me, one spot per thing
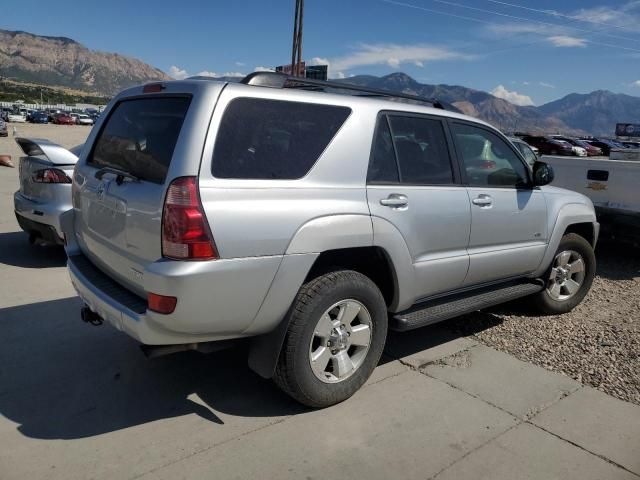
(296, 51)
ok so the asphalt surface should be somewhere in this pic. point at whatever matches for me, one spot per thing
(80, 402)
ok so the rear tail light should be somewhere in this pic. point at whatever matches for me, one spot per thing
(185, 232)
(153, 88)
(50, 175)
(161, 303)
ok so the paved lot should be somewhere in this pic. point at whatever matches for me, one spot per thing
(81, 402)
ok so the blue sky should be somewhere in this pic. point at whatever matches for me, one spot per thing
(523, 50)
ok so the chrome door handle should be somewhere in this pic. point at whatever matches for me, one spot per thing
(482, 200)
(395, 201)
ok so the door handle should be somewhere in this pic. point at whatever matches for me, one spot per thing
(395, 200)
(482, 200)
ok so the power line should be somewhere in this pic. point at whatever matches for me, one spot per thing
(555, 25)
(558, 14)
(478, 20)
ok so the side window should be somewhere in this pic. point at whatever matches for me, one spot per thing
(383, 168)
(273, 139)
(487, 158)
(421, 147)
(528, 154)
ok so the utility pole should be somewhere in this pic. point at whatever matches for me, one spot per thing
(296, 51)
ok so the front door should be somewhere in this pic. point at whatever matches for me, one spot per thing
(508, 216)
(412, 184)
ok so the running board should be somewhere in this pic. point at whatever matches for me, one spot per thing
(454, 305)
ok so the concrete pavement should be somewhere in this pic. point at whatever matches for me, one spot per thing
(81, 402)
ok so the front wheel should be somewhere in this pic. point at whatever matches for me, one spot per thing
(337, 330)
(569, 277)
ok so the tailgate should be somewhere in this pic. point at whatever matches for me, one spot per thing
(120, 186)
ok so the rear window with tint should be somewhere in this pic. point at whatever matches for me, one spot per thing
(273, 139)
(140, 136)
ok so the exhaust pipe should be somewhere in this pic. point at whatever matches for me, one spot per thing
(90, 317)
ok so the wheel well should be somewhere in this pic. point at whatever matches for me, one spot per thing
(373, 262)
(585, 230)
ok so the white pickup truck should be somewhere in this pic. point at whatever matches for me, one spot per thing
(612, 185)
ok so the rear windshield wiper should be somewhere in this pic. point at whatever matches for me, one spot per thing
(120, 175)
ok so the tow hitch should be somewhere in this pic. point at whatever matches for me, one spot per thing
(91, 317)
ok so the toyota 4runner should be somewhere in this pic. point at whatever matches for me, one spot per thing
(310, 223)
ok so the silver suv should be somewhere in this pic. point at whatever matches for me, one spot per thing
(309, 223)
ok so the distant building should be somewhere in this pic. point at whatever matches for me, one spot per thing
(316, 72)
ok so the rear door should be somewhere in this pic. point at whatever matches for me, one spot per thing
(120, 187)
(508, 217)
(414, 185)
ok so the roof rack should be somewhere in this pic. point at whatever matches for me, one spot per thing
(281, 80)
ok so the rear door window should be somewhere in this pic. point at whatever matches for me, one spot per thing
(273, 139)
(421, 149)
(140, 136)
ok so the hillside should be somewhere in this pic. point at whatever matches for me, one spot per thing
(596, 112)
(499, 112)
(59, 61)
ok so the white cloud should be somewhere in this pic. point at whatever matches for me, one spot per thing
(339, 75)
(626, 16)
(318, 61)
(512, 96)
(177, 73)
(546, 85)
(206, 73)
(263, 69)
(636, 83)
(240, 64)
(393, 55)
(232, 74)
(418, 63)
(567, 41)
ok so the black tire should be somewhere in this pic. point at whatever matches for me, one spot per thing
(544, 302)
(293, 373)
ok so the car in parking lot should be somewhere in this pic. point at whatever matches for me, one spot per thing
(63, 119)
(45, 188)
(549, 146)
(16, 118)
(3, 128)
(39, 117)
(309, 223)
(83, 119)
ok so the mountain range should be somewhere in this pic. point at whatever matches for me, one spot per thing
(63, 62)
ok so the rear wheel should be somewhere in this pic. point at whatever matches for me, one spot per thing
(337, 330)
(569, 277)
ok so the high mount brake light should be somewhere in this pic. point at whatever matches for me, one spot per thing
(50, 175)
(153, 88)
(185, 232)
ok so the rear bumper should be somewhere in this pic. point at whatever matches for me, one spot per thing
(123, 309)
(40, 230)
(47, 214)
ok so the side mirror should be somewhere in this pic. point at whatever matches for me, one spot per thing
(542, 174)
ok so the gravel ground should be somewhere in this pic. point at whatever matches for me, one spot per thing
(597, 344)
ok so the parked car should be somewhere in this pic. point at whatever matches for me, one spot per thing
(631, 144)
(75, 117)
(604, 144)
(64, 119)
(39, 117)
(526, 150)
(83, 119)
(45, 188)
(3, 128)
(16, 118)
(52, 112)
(207, 211)
(592, 150)
(549, 146)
